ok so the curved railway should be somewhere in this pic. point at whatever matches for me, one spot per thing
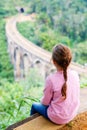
(13, 34)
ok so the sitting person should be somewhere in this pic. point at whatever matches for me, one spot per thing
(61, 95)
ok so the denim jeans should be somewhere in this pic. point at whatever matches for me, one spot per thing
(39, 108)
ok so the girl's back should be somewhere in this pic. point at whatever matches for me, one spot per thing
(62, 110)
(60, 100)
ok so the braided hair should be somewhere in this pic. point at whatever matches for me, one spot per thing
(62, 56)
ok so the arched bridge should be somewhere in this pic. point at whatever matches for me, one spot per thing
(24, 54)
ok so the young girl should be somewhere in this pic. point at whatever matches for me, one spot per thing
(60, 101)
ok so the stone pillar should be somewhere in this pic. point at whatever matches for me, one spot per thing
(26, 65)
(17, 71)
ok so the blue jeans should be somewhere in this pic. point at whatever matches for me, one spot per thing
(39, 108)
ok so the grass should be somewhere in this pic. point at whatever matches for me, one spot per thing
(16, 99)
(15, 104)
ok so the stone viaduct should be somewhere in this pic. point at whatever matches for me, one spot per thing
(25, 55)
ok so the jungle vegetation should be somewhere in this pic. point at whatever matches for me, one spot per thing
(57, 21)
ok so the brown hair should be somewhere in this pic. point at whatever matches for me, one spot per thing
(62, 56)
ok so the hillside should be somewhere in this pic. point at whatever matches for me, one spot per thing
(59, 21)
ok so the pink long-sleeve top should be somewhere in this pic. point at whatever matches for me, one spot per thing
(61, 111)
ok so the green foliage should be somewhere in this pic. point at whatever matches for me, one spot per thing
(43, 18)
(68, 18)
(59, 22)
(80, 53)
(16, 99)
(83, 81)
(44, 36)
(7, 8)
(27, 29)
(6, 69)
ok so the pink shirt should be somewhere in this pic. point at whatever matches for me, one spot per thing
(61, 111)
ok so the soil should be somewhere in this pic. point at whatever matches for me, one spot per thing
(79, 123)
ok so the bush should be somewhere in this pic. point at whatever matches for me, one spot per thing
(6, 68)
(80, 53)
(16, 99)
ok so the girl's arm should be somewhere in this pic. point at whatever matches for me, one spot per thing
(47, 93)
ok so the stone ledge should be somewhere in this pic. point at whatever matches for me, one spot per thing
(35, 122)
(38, 122)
